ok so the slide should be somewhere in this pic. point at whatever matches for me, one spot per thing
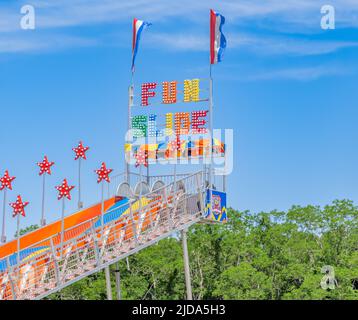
(44, 244)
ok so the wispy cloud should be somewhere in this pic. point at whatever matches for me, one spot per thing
(20, 44)
(300, 73)
(298, 16)
(300, 13)
(179, 41)
(260, 45)
(287, 45)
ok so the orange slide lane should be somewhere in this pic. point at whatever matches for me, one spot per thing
(39, 235)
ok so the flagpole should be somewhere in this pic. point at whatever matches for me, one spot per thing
(129, 125)
(211, 107)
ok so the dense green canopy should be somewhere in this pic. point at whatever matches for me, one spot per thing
(274, 255)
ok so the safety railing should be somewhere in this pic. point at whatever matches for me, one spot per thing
(135, 178)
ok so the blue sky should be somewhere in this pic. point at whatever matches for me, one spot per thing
(286, 87)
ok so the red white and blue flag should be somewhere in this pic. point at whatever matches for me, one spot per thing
(138, 27)
(217, 38)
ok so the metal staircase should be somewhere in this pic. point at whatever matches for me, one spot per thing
(91, 247)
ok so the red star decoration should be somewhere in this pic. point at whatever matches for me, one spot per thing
(172, 145)
(45, 166)
(142, 158)
(64, 190)
(19, 207)
(80, 151)
(103, 173)
(175, 145)
(6, 181)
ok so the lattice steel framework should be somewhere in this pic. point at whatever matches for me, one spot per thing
(170, 209)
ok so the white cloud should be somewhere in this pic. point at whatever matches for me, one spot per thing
(286, 45)
(301, 13)
(300, 74)
(260, 45)
(301, 16)
(25, 44)
(179, 41)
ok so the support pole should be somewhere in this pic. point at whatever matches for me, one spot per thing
(224, 182)
(106, 269)
(118, 282)
(108, 283)
(102, 210)
(189, 295)
(43, 221)
(175, 178)
(80, 204)
(148, 172)
(3, 235)
(18, 241)
(129, 126)
(62, 226)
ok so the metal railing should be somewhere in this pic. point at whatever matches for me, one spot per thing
(89, 247)
(135, 178)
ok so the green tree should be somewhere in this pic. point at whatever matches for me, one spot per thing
(269, 255)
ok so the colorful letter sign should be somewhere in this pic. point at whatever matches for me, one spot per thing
(197, 122)
(191, 90)
(166, 125)
(146, 93)
(139, 124)
(184, 123)
(169, 92)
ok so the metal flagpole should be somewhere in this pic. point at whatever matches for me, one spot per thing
(211, 107)
(3, 236)
(129, 124)
(43, 221)
(189, 295)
